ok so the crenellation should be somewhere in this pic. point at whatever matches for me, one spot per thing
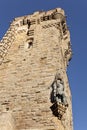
(43, 16)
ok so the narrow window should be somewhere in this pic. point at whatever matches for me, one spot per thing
(30, 42)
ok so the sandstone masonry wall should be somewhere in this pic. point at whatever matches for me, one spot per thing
(33, 50)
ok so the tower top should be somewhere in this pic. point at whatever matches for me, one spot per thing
(40, 16)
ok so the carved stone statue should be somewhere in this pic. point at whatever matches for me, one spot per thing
(58, 90)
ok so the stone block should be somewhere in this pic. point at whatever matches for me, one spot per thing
(6, 121)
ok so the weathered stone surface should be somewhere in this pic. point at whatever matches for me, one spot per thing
(27, 70)
(6, 121)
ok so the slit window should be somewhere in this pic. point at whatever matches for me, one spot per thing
(30, 32)
(30, 42)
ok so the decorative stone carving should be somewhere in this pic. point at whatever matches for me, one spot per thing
(58, 97)
(58, 90)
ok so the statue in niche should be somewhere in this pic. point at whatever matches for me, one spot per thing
(58, 94)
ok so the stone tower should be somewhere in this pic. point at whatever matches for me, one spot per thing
(35, 49)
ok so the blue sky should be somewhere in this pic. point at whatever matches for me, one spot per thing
(76, 11)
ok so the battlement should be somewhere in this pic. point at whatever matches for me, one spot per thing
(42, 16)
